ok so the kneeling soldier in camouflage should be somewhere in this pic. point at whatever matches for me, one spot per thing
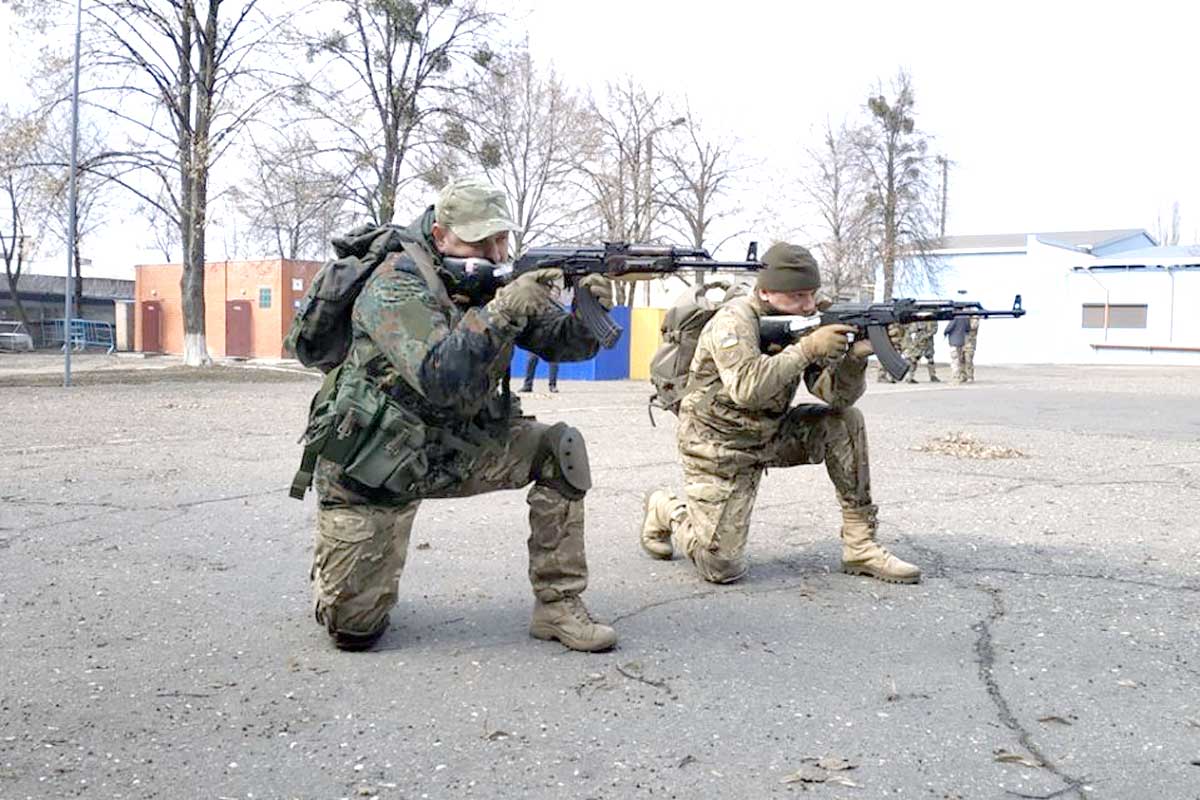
(425, 379)
(735, 422)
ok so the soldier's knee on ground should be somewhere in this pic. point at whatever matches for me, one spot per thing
(357, 561)
(562, 462)
(716, 568)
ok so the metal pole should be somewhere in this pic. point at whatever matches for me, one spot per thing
(71, 265)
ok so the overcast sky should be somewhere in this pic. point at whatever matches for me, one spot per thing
(1057, 115)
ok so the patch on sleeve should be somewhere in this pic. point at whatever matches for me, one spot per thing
(728, 340)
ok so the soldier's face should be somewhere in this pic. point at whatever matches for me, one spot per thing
(802, 304)
(493, 248)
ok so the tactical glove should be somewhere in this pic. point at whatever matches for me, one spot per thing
(600, 288)
(527, 296)
(827, 341)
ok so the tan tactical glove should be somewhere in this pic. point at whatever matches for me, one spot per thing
(528, 295)
(600, 288)
(827, 341)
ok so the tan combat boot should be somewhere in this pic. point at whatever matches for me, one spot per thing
(662, 508)
(862, 555)
(568, 621)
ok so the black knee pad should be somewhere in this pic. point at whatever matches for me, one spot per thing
(562, 462)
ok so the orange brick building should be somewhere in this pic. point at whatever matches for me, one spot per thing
(248, 306)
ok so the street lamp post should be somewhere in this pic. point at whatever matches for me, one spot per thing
(68, 294)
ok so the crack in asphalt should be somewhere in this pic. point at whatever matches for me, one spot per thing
(787, 587)
(112, 508)
(985, 658)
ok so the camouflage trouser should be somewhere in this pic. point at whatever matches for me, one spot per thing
(361, 547)
(962, 361)
(721, 484)
(914, 356)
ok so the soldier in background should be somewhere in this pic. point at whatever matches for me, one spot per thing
(737, 420)
(435, 366)
(920, 346)
(962, 334)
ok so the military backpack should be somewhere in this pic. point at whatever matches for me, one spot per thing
(320, 332)
(681, 327)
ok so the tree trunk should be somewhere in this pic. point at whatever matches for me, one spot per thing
(195, 189)
(16, 296)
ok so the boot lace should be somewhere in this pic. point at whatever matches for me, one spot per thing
(578, 610)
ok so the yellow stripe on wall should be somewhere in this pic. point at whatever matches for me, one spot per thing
(644, 336)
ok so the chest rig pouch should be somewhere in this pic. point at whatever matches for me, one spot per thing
(375, 440)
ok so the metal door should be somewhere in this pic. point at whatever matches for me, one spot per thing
(239, 341)
(151, 326)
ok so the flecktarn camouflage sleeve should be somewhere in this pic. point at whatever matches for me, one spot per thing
(452, 367)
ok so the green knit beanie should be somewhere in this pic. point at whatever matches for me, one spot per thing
(789, 268)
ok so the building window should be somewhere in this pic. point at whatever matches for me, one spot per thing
(264, 297)
(1127, 316)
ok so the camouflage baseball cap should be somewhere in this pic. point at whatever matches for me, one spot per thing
(473, 209)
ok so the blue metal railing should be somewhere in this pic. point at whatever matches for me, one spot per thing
(85, 333)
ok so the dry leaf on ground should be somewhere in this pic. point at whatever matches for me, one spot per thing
(963, 445)
(806, 775)
(1005, 757)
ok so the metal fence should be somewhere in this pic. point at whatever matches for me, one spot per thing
(85, 333)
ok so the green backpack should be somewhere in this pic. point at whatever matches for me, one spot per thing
(681, 326)
(320, 332)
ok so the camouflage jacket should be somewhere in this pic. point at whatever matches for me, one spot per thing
(444, 363)
(920, 336)
(739, 395)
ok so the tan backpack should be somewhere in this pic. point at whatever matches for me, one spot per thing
(681, 327)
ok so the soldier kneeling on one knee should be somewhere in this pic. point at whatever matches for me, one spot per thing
(420, 409)
(737, 420)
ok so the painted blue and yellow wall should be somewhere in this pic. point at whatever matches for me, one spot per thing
(629, 359)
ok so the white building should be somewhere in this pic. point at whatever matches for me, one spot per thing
(1102, 297)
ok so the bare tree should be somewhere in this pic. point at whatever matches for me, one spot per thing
(528, 133)
(386, 79)
(19, 140)
(893, 157)
(700, 169)
(624, 185)
(180, 81)
(292, 206)
(164, 227)
(833, 186)
(91, 189)
(1167, 232)
(620, 178)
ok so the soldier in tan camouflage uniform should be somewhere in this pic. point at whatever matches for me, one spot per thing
(920, 346)
(454, 428)
(736, 421)
(962, 334)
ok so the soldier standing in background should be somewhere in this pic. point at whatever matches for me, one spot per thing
(921, 337)
(962, 334)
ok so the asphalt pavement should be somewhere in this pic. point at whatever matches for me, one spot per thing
(157, 640)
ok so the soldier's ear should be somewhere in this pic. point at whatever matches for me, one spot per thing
(439, 236)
